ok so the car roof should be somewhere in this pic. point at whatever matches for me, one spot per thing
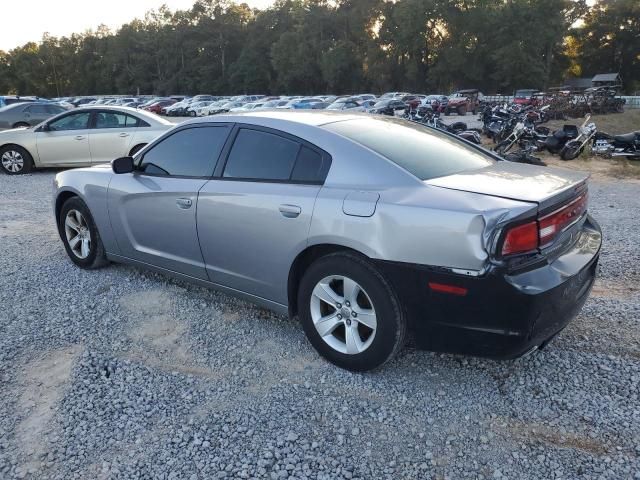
(120, 108)
(303, 117)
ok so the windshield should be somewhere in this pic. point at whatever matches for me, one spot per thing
(422, 151)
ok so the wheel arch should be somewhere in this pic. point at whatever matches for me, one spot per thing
(61, 198)
(303, 261)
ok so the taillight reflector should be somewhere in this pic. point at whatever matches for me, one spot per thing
(520, 239)
(445, 288)
(553, 223)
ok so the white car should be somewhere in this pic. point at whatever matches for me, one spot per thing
(81, 137)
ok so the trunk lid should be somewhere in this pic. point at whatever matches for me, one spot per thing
(530, 183)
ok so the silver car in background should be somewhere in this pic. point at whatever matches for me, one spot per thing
(27, 114)
(81, 137)
(366, 229)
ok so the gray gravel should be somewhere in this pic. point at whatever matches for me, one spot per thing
(119, 373)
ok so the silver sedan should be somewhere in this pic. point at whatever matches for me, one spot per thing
(81, 137)
(367, 229)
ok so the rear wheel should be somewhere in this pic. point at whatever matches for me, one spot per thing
(80, 235)
(15, 160)
(350, 313)
(21, 125)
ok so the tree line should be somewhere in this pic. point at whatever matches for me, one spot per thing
(337, 46)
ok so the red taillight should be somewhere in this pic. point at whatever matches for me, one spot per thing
(552, 224)
(520, 239)
(541, 232)
(445, 288)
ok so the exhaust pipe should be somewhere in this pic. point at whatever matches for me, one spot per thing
(623, 154)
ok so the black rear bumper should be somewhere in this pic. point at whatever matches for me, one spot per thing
(503, 315)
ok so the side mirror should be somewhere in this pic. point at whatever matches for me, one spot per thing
(44, 128)
(122, 165)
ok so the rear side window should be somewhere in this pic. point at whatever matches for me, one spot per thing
(310, 167)
(260, 155)
(38, 109)
(422, 151)
(115, 120)
(191, 152)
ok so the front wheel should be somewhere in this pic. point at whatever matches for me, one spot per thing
(350, 313)
(15, 160)
(571, 150)
(80, 235)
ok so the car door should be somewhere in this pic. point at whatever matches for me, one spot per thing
(65, 140)
(254, 216)
(153, 209)
(111, 135)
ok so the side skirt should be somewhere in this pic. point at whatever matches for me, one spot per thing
(262, 302)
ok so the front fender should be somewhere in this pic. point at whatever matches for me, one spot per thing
(92, 186)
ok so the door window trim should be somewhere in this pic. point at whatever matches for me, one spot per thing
(220, 167)
(138, 159)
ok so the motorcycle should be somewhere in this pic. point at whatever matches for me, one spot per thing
(608, 146)
(573, 148)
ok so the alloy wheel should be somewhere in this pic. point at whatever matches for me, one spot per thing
(343, 314)
(78, 234)
(12, 161)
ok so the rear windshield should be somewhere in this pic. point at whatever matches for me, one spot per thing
(425, 152)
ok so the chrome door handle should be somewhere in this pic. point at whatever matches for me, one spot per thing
(184, 203)
(123, 135)
(79, 137)
(290, 211)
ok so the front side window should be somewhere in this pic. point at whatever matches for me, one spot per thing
(422, 151)
(75, 121)
(260, 155)
(192, 152)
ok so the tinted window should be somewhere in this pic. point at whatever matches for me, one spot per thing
(115, 120)
(422, 151)
(261, 156)
(37, 109)
(192, 152)
(309, 167)
(75, 121)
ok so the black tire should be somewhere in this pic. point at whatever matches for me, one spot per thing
(20, 124)
(14, 167)
(391, 323)
(136, 149)
(97, 257)
(571, 150)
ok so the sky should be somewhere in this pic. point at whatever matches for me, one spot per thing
(26, 20)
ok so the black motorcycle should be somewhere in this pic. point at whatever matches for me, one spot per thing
(608, 146)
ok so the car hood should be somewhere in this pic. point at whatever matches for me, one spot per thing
(18, 131)
(516, 181)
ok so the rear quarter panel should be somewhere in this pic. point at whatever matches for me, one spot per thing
(422, 225)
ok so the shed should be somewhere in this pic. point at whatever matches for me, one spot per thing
(606, 80)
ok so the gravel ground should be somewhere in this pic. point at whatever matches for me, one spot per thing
(119, 373)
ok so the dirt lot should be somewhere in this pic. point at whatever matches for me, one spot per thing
(119, 373)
